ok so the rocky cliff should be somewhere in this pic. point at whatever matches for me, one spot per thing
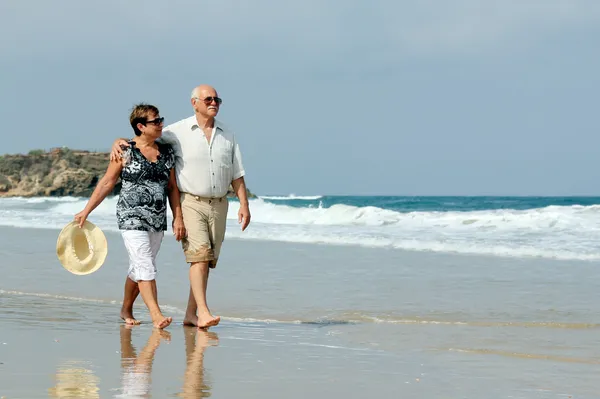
(59, 172)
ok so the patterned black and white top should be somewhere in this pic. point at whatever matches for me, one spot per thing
(142, 203)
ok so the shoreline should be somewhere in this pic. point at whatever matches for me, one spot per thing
(308, 245)
(246, 284)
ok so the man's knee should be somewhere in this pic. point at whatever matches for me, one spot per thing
(199, 253)
(202, 264)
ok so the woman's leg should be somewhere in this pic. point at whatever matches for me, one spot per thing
(141, 249)
(149, 295)
(131, 292)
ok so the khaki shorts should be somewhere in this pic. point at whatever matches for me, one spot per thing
(205, 220)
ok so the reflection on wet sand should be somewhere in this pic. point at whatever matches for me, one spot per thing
(74, 380)
(195, 384)
(137, 369)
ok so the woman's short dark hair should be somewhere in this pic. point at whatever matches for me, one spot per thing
(139, 114)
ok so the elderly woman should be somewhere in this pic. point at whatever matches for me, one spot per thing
(148, 179)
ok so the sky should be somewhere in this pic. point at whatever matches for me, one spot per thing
(462, 97)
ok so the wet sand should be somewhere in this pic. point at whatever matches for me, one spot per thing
(60, 357)
(302, 321)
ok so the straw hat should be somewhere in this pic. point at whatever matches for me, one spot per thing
(75, 383)
(81, 250)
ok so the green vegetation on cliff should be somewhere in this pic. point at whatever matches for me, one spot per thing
(59, 172)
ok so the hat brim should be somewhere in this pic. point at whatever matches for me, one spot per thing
(82, 250)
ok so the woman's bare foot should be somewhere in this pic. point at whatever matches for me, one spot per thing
(127, 317)
(205, 339)
(158, 334)
(208, 320)
(165, 335)
(161, 321)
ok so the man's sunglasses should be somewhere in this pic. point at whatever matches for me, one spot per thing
(209, 100)
(156, 121)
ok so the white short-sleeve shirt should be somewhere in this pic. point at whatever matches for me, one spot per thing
(204, 168)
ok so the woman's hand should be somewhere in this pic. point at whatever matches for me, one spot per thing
(81, 217)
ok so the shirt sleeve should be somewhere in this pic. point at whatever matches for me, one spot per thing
(238, 167)
(167, 137)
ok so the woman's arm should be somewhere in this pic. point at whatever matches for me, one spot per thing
(103, 188)
(174, 202)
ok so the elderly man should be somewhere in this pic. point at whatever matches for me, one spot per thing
(207, 162)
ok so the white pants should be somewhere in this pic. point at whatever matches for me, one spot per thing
(142, 246)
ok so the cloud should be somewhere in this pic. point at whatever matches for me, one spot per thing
(312, 28)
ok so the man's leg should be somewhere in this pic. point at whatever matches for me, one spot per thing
(191, 318)
(200, 271)
(198, 253)
(191, 312)
(194, 384)
(199, 284)
(130, 294)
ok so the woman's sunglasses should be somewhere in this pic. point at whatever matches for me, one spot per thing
(156, 121)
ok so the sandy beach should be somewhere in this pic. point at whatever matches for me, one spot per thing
(302, 320)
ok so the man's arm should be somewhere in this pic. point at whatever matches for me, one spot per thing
(239, 187)
(117, 148)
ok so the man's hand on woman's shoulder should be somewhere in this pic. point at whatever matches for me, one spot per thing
(117, 149)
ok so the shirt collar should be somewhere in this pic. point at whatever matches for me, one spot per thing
(194, 124)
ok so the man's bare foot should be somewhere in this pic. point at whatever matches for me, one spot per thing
(190, 320)
(127, 317)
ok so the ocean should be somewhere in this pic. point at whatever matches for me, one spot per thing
(322, 296)
(547, 227)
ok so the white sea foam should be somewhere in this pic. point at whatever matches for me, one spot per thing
(291, 197)
(561, 232)
(38, 200)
